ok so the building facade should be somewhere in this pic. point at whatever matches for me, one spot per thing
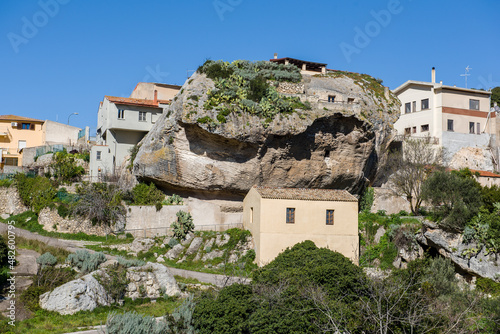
(16, 133)
(449, 116)
(279, 218)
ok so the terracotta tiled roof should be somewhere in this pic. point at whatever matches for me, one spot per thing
(132, 101)
(484, 173)
(306, 194)
(19, 118)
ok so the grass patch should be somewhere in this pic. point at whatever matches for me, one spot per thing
(41, 248)
(45, 322)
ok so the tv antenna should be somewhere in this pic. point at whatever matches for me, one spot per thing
(466, 74)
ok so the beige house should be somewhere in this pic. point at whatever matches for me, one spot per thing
(16, 133)
(282, 217)
(452, 117)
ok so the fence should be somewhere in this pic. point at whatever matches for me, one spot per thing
(167, 231)
(48, 149)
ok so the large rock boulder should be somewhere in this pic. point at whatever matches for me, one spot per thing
(468, 257)
(83, 294)
(333, 145)
(151, 281)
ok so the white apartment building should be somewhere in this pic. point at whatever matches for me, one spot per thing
(122, 122)
(453, 117)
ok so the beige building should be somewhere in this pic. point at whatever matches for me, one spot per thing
(452, 117)
(282, 217)
(16, 133)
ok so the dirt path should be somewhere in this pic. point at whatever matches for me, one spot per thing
(74, 245)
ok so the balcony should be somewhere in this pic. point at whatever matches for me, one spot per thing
(4, 132)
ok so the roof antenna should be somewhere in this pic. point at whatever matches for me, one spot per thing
(466, 74)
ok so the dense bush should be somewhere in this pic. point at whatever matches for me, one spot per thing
(130, 263)
(243, 86)
(36, 193)
(100, 203)
(183, 225)
(142, 194)
(86, 262)
(133, 323)
(367, 199)
(114, 280)
(455, 198)
(46, 260)
(65, 168)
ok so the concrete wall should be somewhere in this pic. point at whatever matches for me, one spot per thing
(454, 142)
(58, 133)
(266, 219)
(145, 90)
(206, 216)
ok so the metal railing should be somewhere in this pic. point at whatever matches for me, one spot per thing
(167, 230)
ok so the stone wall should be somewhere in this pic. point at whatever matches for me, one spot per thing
(290, 88)
(145, 221)
(52, 222)
(10, 202)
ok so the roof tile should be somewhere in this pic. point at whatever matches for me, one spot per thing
(306, 194)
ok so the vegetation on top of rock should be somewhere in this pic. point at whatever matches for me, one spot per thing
(86, 261)
(183, 225)
(142, 194)
(243, 86)
(36, 192)
(65, 168)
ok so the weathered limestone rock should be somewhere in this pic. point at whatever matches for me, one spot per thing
(209, 244)
(222, 239)
(10, 202)
(333, 145)
(473, 158)
(380, 232)
(195, 245)
(450, 245)
(52, 222)
(188, 239)
(150, 281)
(212, 255)
(174, 252)
(141, 245)
(84, 294)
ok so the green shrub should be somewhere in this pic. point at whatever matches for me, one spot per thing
(4, 250)
(6, 182)
(65, 168)
(130, 263)
(183, 225)
(36, 193)
(133, 323)
(173, 200)
(133, 153)
(488, 286)
(181, 319)
(46, 260)
(367, 199)
(142, 194)
(172, 242)
(99, 202)
(85, 261)
(114, 280)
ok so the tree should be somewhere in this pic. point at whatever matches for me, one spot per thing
(495, 96)
(65, 167)
(455, 198)
(410, 168)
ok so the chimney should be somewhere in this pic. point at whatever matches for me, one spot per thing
(156, 97)
(433, 75)
(275, 56)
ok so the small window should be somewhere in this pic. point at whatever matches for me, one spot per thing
(142, 116)
(290, 215)
(350, 100)
(450, 125)
(407, 131)
(331, 98)
(471, 127)
(414, 105)
(425, 104)
(98, 155)
(27, 126)
(478, 128)
(424, 128)
(414, 129)
(121, 114)
(251, 215)
(474, 104)
(407, 108)
(329, 217)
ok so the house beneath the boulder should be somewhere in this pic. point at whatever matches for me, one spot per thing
(282, 217)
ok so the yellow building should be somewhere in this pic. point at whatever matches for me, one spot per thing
(282, 217)
(16, 133)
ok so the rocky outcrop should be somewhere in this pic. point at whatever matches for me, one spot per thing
(83, 294)
(10, 202)
(333, 145)
(473, 158)
(465, 256)
(52, 222)
(152, 280)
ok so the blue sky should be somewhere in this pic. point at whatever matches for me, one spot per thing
(62, 56)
